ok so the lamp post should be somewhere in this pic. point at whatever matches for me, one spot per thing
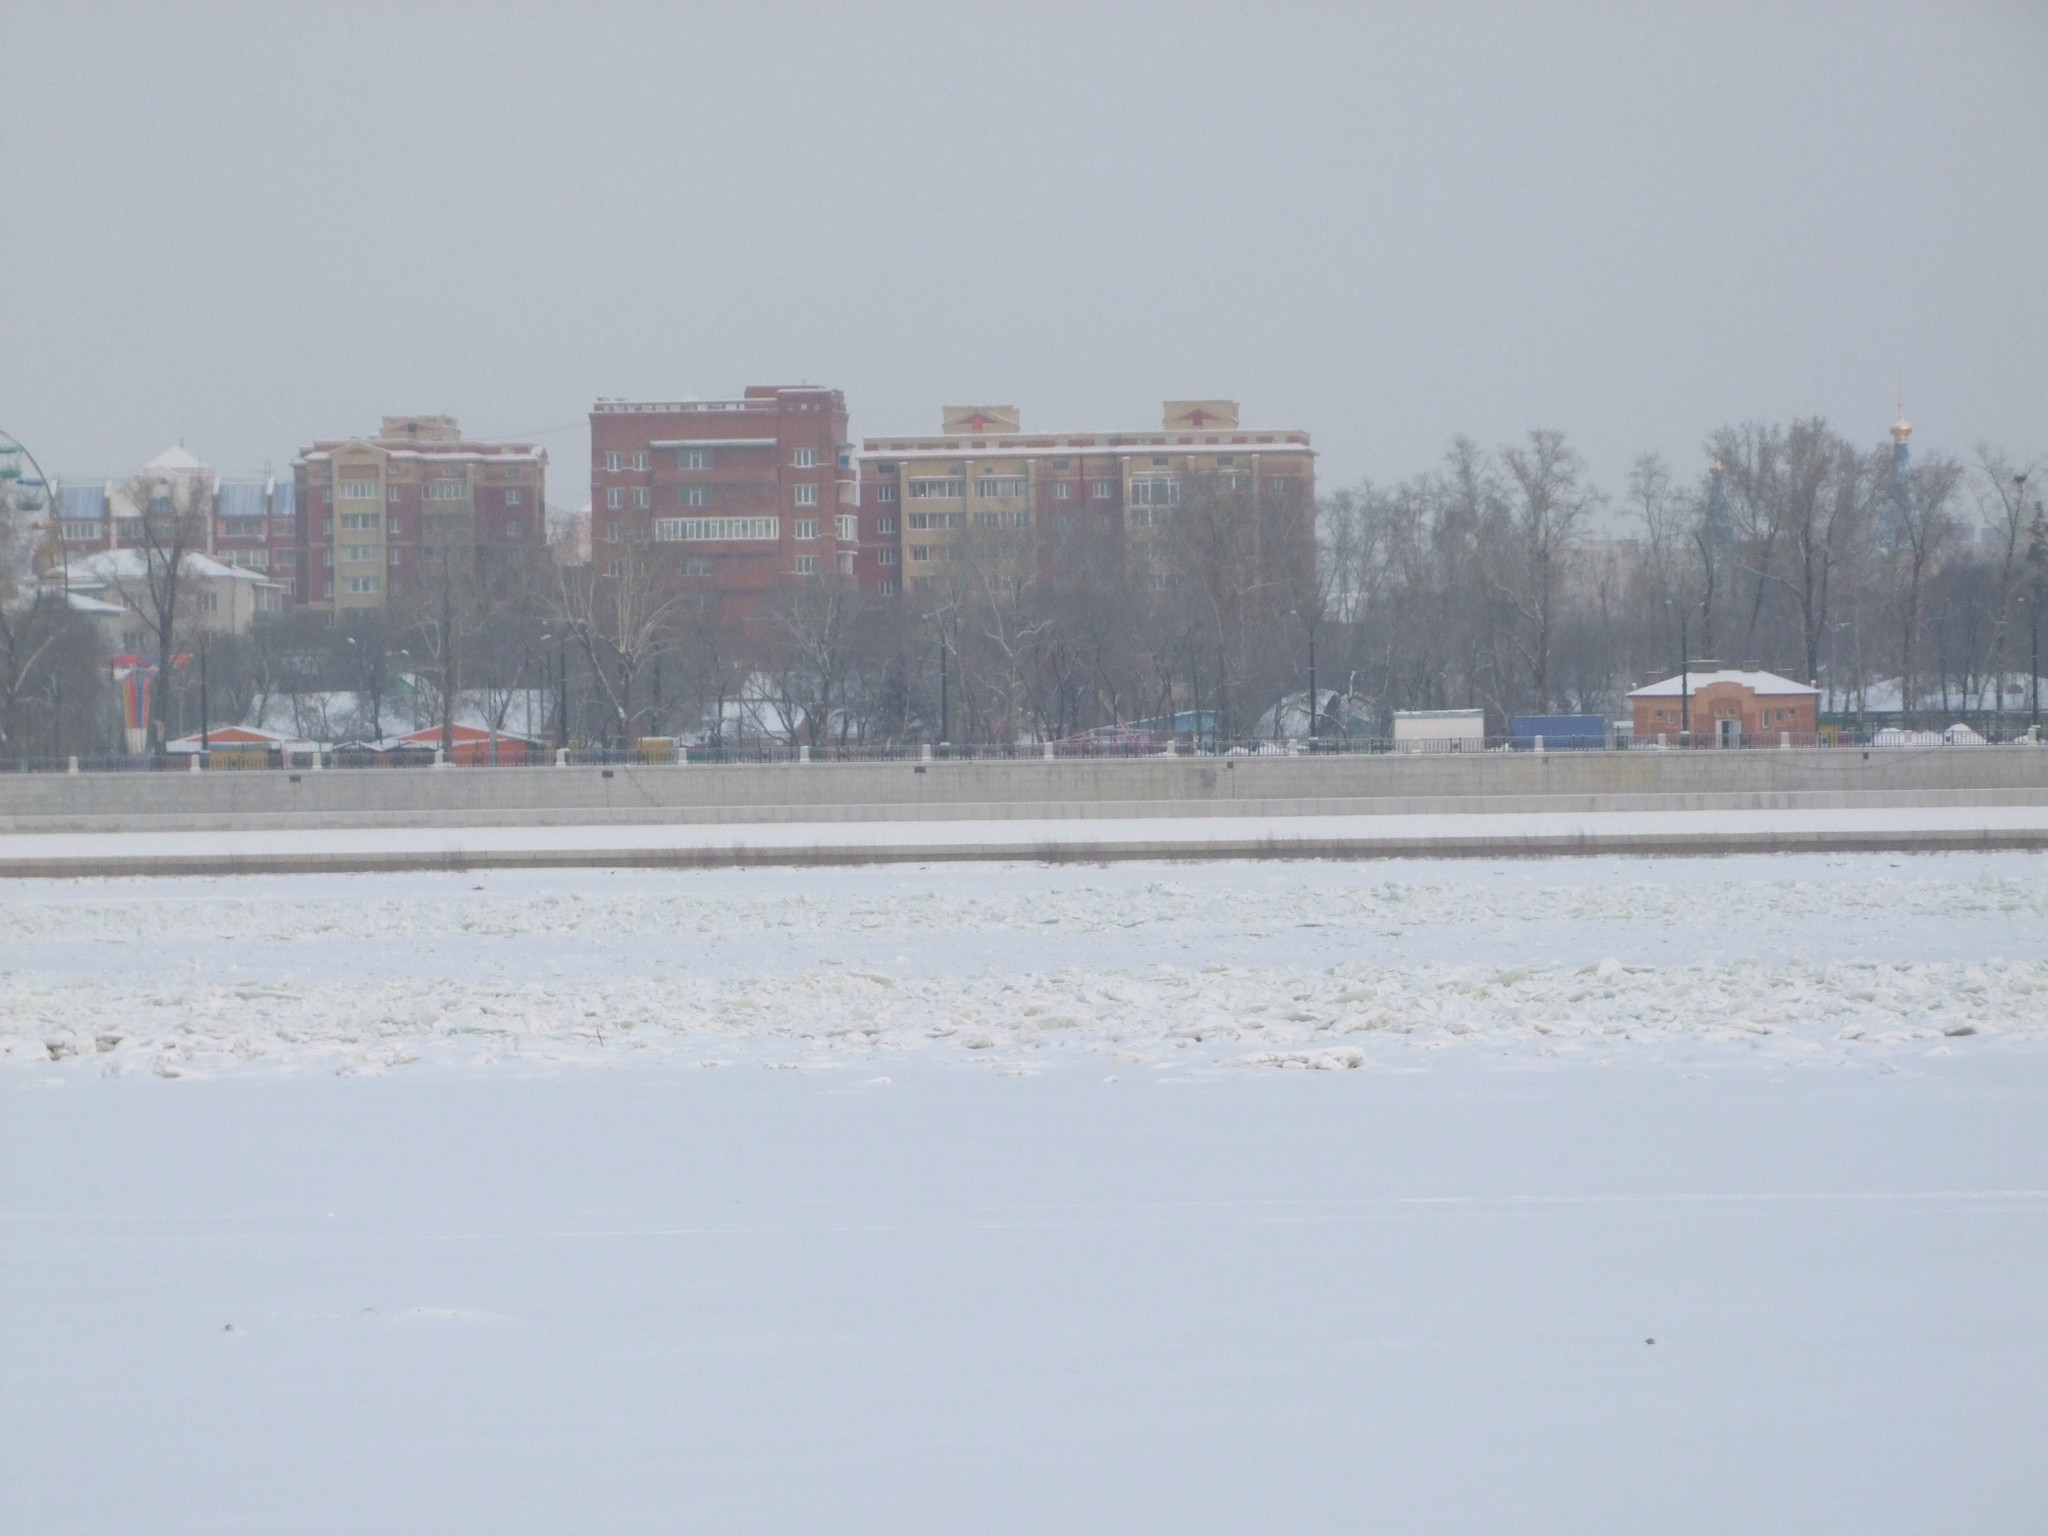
(1684, 677)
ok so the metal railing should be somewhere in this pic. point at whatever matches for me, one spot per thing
(652, 753)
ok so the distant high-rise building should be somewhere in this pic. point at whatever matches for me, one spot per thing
(730, 500)
(371, 510)
(1075, 504)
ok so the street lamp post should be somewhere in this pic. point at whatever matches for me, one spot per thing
(1684, 677)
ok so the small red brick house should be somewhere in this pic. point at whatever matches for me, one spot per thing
(1727, 708)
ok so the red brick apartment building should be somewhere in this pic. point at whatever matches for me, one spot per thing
(243, 522)
(1078, 500)
(733, 498)
(370, 508)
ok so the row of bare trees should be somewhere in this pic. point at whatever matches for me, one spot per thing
(1503, 579)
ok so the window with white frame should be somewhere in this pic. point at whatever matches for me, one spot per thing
(988, 519)
(642, 495)
(1155, 491)
(807, 565)
(886, 525)
(361, 584)
(885, 557)
(920, 553)
(361, 554)
(807, 527)
(888, 587)
(615, 461)
(693, 458)
(939, 489)
(696, 565)
(885, 493)
(1061, 491)
(929, 520)
(806, 495)
(512, 497)
(615, 498)
(327, 557)
(806, 458)
(396, 527)
(397, 557)
(392, 492)
(359, 490)
(361, 522)
(640, 459)
(327, 589)
(846, 562)
(846, 526)
(209, 602)
(445, 490)
(716, 530)
(990, 487)
(1103, 490)
(694, 495)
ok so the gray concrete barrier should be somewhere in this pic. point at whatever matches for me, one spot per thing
(1144, 787)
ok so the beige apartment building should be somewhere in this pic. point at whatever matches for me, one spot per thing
(372, 509)
(1075, 501)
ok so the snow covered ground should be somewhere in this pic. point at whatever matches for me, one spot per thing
(984, 1197)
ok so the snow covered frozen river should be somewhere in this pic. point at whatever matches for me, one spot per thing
(993, 1198)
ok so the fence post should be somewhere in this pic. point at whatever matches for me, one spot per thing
(195, 762)
(561, 757)
(1539, 743)
(1046, 752)
(803, 753)
(71, 763)
(438, 762)
(1663, 738)
(926, 755)
(1784, 739)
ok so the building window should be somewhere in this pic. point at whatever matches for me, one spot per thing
(1155, 491)
(1103, 490)
(642, 495)
(360, 554)
(920, 553)
(693, 458)
(990, 486)
(888, 588)
(615, 461)
(695, 495)
(614, 498)
(806, 458)
(988, 519)
(886, 525)
(359, 490)
(361, 522)
(327, 589)
(1159, 461)
(327, 557)
(846, 526)
(1020, 519)
(395, 526)
(807, 527)
(361, 584)
(397, 557)
(806, 495)
(1059, 464)
(511, 529)
(393, 493)
(511, 495)
(445, 490)
(1225, 460)
(939, 488)
(716, 530)
(926, 520)
(80, 532)
(885, 557)
(846, 562)
(616, 568)
(885, 493)
(1061, 491)
(696, 565)
(807, 565)
(640, 459)
(209, 602)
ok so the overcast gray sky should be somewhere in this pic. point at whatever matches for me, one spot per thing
(248, 226)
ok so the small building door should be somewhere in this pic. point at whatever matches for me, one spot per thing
(1728, 731)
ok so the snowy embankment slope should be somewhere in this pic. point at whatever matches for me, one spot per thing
(1505, 834)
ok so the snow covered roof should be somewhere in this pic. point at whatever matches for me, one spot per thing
(94, 607)
(1101, 445)
(241, 498)
(1760, 683)
(235, 736)
(174, 457)
(130, 564)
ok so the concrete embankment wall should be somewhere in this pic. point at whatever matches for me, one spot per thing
(1065, 788)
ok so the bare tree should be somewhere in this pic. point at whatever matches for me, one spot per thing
(1549, 499)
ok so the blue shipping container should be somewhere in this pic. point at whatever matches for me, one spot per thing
(1560, 733)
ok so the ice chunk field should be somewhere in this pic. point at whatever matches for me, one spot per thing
(1594, 1195)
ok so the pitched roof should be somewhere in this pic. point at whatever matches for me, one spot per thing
(1760, 683)
(174, 457)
